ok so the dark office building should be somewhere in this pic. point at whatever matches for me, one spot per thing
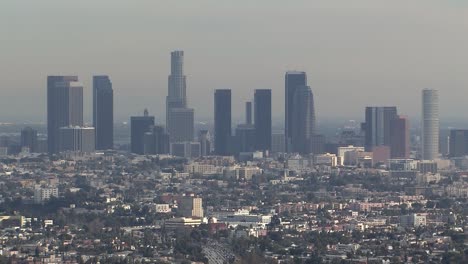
(77, 139)
(222, 114)
(29, 139)
(139, 126)
(262, 112)
(245, 139)
(156, 141)
(303, 120)
(103, 112)
(293, 79)
(248, 113)
(182, 123)
(64, 107)
(399, 138)
(317, 144)
(458, 143)
(378, 126)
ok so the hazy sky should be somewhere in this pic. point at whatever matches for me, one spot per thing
(356, 53)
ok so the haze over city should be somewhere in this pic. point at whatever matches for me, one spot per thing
(356, 53)
(233, 132)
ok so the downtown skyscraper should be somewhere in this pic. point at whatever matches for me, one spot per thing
(179, 118)
(430, 124)
(293, 79)
(103, 112)
(139, 126)
(64, 107)
(399, 138)
(378, 125)
(262, 112)
(222, 122)
(300, 120)
(303, 127)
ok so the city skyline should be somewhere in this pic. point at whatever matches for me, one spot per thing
(233, 131)
(371, 65)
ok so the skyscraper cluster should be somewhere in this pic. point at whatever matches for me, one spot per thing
(385, 132)
(384, 128)
(65, 126)
(248, 137)
(146, 138)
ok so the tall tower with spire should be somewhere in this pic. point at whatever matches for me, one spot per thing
(177, 86)
(179, 118)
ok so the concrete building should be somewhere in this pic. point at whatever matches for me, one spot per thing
(358, 158)
(427, 178)
(41, 145)
(250, 156)
(246, 173)
(399, 138)
(179, 118)
(162, 208)
(103, 112)
(458, 143)
(42, 194)
(64, 107)
(139, 125)
(342, 151)
(430, 124)
(182, 222)
(182, 124)
(190, 206)
(326, 159)
(156, 141)
(189, 150)
(303, 120)
(413, 220)
(77, 139)
(29, 139)
(380, 155)
(427, 166)
(245, 139)
(200, 168)
(298, 163)
(402, 164)
(262, 105)
(378, 126)
(293, 79)
(222, 121)
(278, 144)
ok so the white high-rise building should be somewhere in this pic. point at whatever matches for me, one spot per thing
(430, 124)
